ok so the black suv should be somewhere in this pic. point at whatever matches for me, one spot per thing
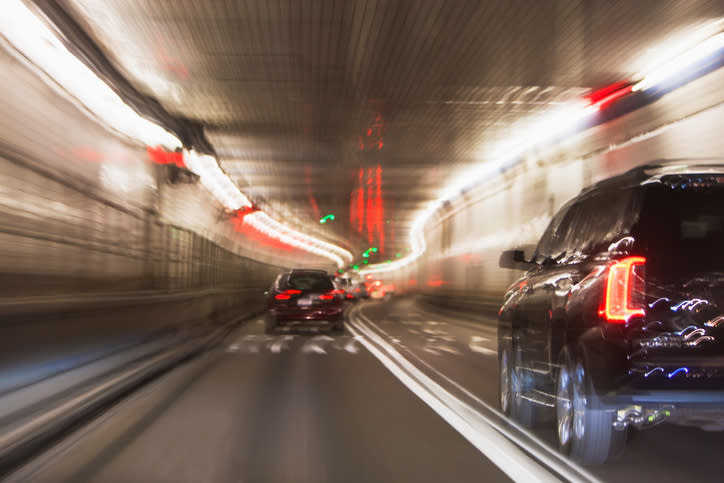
(619, 320)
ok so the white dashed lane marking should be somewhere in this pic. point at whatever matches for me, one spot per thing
(277, 344)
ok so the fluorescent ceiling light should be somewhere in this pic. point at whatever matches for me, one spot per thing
(228, 194)
(262, 222)
(681, 64)
(32, 37)
(216, 181)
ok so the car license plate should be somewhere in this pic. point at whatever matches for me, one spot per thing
(305, 302)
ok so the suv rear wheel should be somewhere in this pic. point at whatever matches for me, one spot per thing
(585, 429)
(513, 383)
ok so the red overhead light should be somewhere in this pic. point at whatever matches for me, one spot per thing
(606, 96)
(160, 156)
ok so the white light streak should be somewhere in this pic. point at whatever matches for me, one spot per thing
(675, 46)
(216, 181)
(228, 194)
(681, 64)
(264, 223)
(30, 36)
(674, 58)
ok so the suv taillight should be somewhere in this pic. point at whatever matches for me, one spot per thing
(624, 294)
(331, 294)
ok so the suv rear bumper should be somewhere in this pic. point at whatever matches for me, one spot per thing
(321, 314)
(641, 409)
(705, 399)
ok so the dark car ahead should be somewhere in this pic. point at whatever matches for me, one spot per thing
(619, 320)
(344, 285)
(306, 298)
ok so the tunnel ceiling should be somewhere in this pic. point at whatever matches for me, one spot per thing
(362, 109)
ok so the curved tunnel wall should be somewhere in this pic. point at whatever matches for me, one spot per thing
(460, 264)
(99, 250)
(83, 209)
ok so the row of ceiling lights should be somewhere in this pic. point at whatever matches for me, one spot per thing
(38, 46)
(674, 60)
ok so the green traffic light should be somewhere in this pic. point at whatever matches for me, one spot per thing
(326, 219)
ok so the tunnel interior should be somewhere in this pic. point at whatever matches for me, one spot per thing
(163, 162)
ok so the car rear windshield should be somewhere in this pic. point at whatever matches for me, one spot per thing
(312, 282)
(682, 231)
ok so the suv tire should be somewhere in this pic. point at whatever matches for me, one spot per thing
(585, 429)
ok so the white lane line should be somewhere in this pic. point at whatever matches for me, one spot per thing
(280, 344)
(476, 345)
(492, 444)
(348, 344)
(315, 345)
(488, 436)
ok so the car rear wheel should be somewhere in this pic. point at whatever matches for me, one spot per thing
(512, 386)
(585, 429)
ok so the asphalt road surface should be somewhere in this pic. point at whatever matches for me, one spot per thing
(406, 394)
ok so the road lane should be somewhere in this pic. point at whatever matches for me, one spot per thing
(663, 454)
(315, 407)
(289, 407)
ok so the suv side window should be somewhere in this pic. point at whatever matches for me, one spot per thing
(595, 222)
(280, 281)
(550, 243)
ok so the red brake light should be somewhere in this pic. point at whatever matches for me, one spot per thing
(624, 288)
(287, 294)
(331, 295)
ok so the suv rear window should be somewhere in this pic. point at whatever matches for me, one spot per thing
(682, 232)
(587, 226)
(597, 221)
(307, 281)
